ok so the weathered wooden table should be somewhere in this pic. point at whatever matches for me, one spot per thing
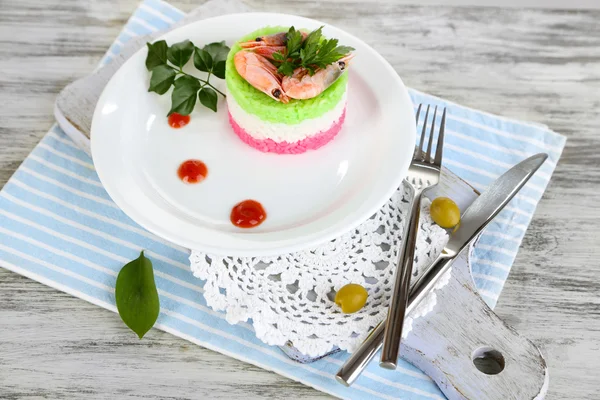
(535, 65)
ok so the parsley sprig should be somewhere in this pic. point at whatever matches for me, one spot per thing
(166, 64)
(313, 53)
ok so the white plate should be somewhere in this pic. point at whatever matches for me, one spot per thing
(309, 198)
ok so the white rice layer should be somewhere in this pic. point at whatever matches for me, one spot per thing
(261, 130)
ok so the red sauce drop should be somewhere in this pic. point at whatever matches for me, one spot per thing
(248, 214)
(192, 171)
(178, 121)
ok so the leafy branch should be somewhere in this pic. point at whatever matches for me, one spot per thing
(166, 65)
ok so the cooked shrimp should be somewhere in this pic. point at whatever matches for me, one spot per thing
(260, 73)
(301, 85)
(268, 51)
(276, 39)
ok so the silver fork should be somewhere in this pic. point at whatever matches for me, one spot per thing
(423, 173)
(359, 360)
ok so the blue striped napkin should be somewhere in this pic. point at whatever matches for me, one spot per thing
(58, 226)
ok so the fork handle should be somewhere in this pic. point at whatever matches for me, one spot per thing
(399, 300)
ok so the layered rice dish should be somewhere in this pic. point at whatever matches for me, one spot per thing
(286, 114)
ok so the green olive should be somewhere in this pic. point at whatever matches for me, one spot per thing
(444, 212)
(351, 298)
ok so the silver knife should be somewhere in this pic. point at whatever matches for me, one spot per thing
(473, 221)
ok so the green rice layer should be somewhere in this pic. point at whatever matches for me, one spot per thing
(253, 101)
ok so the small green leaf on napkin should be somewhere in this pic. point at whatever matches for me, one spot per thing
(157, 54)
(136, 295)
(180, 53)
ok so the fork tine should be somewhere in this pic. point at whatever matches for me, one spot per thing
(417, 122)
(439, 149)
(419, 152)
(428, 157)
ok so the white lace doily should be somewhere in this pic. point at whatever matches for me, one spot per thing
(290, 297)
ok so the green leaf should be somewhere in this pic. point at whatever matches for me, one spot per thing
(278, 56)
(180, 53)
(328, 53)
(217, 50)
(162, 78)
(304, 55)
(294, 41)
(208, 98)
(157, 54)
(311, 44)
(324, 53)
(219, 69)
(286, 68)
(183, 97)
(314, 37)
(343, 50)
(203, 60)
(136, 295)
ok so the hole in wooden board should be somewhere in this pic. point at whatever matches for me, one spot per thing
(488, 360)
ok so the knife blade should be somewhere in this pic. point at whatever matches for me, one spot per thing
(479, 214)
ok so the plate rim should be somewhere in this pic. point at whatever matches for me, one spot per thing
(284, 248)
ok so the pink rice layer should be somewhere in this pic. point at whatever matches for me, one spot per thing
(312, 142)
